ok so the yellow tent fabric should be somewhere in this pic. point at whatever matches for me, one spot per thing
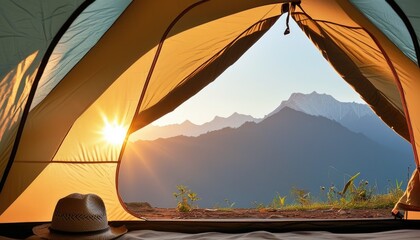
(153, 56)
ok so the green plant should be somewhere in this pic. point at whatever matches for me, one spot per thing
(303, 197)
(352, 193)
(332, 194)
(278, 201)
(185, 198)
(397, 189)
(229, 204)
(349, 184)
(352, 196)
(398, 184)
(259, 206)
(363, 192)
(396, 192)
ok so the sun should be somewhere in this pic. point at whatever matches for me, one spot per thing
(114, 133)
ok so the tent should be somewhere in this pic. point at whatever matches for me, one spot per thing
(69, 69)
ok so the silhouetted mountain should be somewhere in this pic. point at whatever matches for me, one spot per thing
(256, 161)
(357, 117)
(188, 128)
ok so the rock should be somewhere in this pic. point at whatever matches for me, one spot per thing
(210, 210)
(342, 212)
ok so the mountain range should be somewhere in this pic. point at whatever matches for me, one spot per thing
(356, 117)
(187, 128)
(252, 162)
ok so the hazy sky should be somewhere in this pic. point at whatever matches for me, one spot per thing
(275, 67)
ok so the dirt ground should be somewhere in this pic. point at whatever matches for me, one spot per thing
(171, 213)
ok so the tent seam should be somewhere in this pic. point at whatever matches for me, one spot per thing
(359, 28)
(408, 25)
(401, 90)
(193, 73)
(34, 86)
(71, 162)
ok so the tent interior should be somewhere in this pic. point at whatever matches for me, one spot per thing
(70, 68)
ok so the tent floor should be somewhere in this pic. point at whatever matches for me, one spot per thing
(23, 230)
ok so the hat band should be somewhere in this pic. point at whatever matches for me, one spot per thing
(78, 233)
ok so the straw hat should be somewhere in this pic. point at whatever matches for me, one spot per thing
(79, 216)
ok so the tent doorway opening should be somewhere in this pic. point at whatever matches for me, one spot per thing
(277, 135)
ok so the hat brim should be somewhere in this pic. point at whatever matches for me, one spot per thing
(111, 233)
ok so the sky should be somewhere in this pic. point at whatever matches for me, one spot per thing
(268, 73)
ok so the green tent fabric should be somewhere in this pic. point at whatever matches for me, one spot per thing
(71, 69)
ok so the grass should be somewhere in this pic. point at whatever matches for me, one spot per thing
(228, 206)
(352, 196)
(379, 201)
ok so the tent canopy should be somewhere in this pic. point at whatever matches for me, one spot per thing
(70, 68)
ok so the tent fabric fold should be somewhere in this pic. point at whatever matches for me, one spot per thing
(25, 45)
(126, 63)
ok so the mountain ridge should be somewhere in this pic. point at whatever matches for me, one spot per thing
(317, 104)
(356, 117)
(254, 161)
(187, 128)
